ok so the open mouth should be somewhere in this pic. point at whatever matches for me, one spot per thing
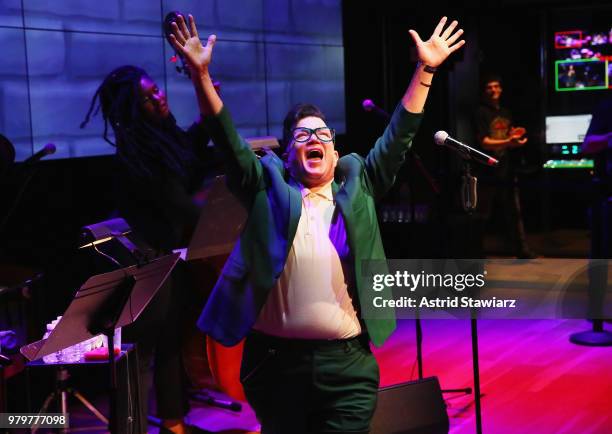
(314, 154)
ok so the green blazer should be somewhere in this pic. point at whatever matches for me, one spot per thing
(274, 209)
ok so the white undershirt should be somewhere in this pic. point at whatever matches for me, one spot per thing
(310, 300)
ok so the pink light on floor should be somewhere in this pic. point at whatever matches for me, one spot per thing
(533, 380)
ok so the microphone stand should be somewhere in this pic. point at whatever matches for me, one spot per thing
(105, 321)
(469, 199)
(416, 159)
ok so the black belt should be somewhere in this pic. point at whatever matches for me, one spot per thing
(282, 343)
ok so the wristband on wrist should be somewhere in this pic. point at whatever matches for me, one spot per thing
(427, 68)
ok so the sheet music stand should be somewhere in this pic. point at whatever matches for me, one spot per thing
(105, 302)
(221, 220)
(223, 217)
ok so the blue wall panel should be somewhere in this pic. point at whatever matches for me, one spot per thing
(239, 20)
(108, 16)
(305, 73)
(239, 66)
(10, 13)
(270, 54)
(62, 90)
(303, 21)
(14, 105)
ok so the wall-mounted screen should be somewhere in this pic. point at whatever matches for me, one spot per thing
(583, 59)
(567, 129)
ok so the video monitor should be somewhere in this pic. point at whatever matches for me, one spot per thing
(582, 59)
(565, 134)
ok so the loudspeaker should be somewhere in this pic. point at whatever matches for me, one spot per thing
(416, 407)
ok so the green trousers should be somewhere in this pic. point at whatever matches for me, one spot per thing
(299, 386)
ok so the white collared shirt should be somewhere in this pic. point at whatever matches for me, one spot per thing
(310, 299)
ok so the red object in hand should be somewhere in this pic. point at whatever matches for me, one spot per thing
(517, 132)
(173, 59)
(99, 354)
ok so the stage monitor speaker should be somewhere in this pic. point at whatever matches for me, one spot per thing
(416, 407)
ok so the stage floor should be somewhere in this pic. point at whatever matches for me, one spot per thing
(533, 380)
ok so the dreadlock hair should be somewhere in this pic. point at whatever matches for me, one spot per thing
(294, 115)
(148, 148)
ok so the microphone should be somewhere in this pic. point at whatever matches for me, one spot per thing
(21, 285)
(369, 106)
(467, 152)
(48, 149)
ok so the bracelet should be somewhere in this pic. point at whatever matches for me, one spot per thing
(426, 84)
(427, 68)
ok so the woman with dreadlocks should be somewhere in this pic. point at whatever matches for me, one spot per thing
(160, 167)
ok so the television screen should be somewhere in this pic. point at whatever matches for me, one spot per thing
(567, 129)
(583, 59)
(577, 75)
(565, 134)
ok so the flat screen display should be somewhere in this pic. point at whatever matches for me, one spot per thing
(583, 59)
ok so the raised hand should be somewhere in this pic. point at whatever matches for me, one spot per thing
(186, 41)
(440, 45)
(517, 132)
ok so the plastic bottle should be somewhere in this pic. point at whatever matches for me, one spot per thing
(72, 354)
(117, 338)
(49, 358)
(59, 354)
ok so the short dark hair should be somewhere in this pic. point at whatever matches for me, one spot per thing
(297, 113)
(489, 78)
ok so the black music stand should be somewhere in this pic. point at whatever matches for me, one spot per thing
(221, 221)
(105, 302)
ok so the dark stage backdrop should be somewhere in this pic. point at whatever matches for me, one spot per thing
(509, 38)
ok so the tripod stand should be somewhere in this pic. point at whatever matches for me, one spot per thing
(61, 393)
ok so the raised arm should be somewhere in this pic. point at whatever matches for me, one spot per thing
(244, 173)
(385, 159)
(187, 41)
(432, 53)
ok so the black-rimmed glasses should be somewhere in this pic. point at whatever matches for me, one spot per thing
(324, 134)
